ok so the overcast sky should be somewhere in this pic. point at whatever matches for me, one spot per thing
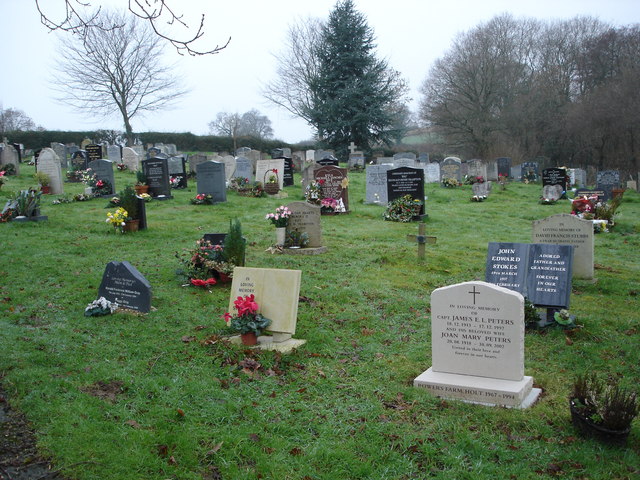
(410, 34)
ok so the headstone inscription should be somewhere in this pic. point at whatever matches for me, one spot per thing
(477, 332)
(450, 168)
(305, 218)
(566, 229)
(504, 166)
(103, 170)
(335, 184)
(177, 171)
(376, 189)
(123, 284)
(94, 151)
(210, 178)
(276, 292)
(244, 168)
(49, 163)
(540, 272)
(406, 181)
(157, 173)
(606, 181)
(328, 161)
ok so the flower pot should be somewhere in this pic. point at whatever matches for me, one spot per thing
(45, 189)
(281, 234)
(590, 429)
(224, 278)
(249, 338)
(131, 225)
(141, 189)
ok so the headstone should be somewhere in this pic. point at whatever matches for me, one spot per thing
(211, 180)
(79, 160)
(177, 169)
(10, 155)
(157, 172)
(356, 160)
(305, 218)
(49, 163)
(241, 152)
(476, 168)
(554, 176)
(335, 183)
(322, 155)
(229, 166)
(171, 149)
(298, 159)
(450, 168)
(404, 162)
(103, 170)
(123, 284)
(153, 152)
(310, 155)
(606, 181)
(264, 168)
(61, 152)
(195, 160)
(580, 177)
(84, 143)
(567, 229)
(308, 173)
(516, 172)
(504, 167)
(405, 156)
(540, 272)
(244, 169)
(94, 151)
(585, 192)
(139, 149)
(492, 171)
(71, 149)
(406, 181)
(477, 347)
(328, 161)
(376, 189)
(287, 175)
(432, 172)
(114, 153)
(481, 189)
(423, 157)
(276, 292)
(130, 158)
(529, 171)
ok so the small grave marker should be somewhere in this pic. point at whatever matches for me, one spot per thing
(421, 239)
(124, 284)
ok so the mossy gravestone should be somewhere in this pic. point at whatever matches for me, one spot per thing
(123, 284)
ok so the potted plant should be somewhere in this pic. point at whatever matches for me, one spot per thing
(603, 410)
(141, 183)
(247, 321)
(280, 219)
(44, 181)
(129, 201)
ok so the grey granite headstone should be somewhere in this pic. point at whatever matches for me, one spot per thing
(476, 168)
(9, 155)
(432, 172)
(103, 170)
(481, 189)
(305, 218)
(606, 181)
(130, 158)
(492, 171)
(450, 168)
(61, 152)
(211, 180)
(376, 189)
(123, 284)
(244, 168)
(195, 160)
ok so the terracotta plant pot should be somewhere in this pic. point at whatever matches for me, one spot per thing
(45, 189)
(131, 225)
(249, 338)
(141, 189)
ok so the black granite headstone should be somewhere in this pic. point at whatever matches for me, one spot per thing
(79, 160)
(287, 176)
(329, 161)
(124, 284)
(406, 181)
(94, 152)
(585, 192)
(606, 181)
(504, 166)
(555, 176)
(178, 169)
(157, 173)
(529, 171)
(540, 272)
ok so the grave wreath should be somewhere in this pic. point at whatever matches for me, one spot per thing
(402, 209)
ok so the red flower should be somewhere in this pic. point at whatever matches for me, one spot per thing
(203, 283)
(227, 317)
(246, 305)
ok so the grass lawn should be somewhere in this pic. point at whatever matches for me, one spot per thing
(164, 396)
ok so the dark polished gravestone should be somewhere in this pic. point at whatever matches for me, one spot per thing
(540, 272)
(504, 166)
(79, 160)
(607, 181)
(329, 161)
(554, 176)
(211, 180)
(157, 172)
(178, 169)
(287, 175)
(123, 284)
(335, 183)
(94, 151)
(406, 181)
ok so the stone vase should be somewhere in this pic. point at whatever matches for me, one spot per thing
(281, 233)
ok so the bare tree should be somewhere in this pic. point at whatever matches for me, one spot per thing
(80, 18)
(297, 66)
(226, 125)
(12, 120)
(234, 125)
(117, 71)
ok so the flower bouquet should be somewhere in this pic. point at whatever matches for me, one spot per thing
(280, 218)
(121, 167)
(478, 198)
(247, 321)
(118, 219)
(100, 307)
(174, 182)
(204, 263)
(313, 192)
(449, 182)
(202, 199)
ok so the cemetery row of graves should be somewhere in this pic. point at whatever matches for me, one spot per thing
(376, 328)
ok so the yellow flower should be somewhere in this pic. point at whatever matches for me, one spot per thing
(344, 183)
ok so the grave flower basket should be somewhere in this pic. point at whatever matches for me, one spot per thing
(602, 410)
(271, 185)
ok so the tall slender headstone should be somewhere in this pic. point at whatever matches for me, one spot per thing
(49, 163)
(211, 180)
